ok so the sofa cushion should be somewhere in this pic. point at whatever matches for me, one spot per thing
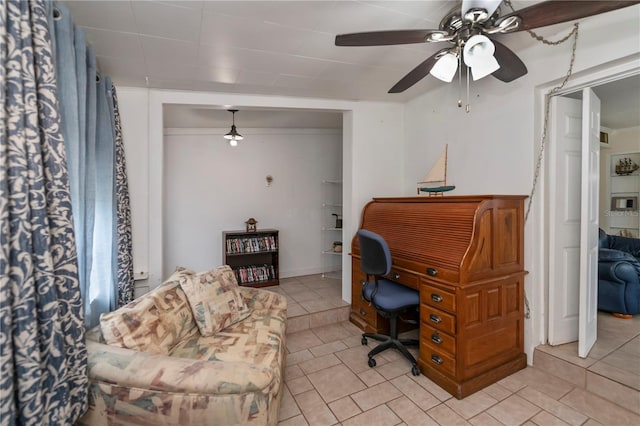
(215, 299)
(154, 322)
(257, 340)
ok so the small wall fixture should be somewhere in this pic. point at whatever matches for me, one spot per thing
(233, 136)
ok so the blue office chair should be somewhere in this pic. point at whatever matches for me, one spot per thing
(389, 298)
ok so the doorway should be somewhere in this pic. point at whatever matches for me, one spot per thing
(594, 80)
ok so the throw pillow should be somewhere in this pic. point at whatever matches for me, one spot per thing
(215, 299)
(152, 323)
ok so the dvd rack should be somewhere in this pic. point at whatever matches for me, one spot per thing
(253, 256)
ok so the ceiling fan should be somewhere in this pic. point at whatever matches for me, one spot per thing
(468, 29)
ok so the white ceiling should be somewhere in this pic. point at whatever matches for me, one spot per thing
(265, 47)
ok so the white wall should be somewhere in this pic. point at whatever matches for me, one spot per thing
(620, 141)
(493, 149)
(133, 106)
(211, 187)
(372, 151)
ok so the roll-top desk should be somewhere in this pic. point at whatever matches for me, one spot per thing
(465, 254)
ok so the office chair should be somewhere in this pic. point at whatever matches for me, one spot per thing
(389, 298)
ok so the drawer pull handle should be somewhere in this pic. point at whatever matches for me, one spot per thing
(432, 272)
(436, 359)
(363, 312)
(436, 297)
(435, 318)
(363, 283)
(435, 338)
(396, 276)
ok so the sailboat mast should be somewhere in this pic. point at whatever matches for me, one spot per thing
(446, 158)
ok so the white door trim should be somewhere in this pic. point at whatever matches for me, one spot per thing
(538, 227)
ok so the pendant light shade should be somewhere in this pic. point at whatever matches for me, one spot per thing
(478, 55)
(233, 136)
(445, 68)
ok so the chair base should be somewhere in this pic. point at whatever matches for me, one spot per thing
(390, 342)
(623, 316)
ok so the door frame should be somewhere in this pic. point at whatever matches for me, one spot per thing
(539, 226)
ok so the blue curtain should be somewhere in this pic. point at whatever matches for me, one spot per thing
(97, 172)
(43, 377)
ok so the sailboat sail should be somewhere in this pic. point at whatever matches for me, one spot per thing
(438, 172)
(435, 182)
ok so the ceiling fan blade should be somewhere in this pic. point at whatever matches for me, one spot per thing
(417, 74)
(555, 12)
(383, 38)
(489, 5)
(511, 67)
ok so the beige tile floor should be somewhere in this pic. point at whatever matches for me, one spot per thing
(327, 380)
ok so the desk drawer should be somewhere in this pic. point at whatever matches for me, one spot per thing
(364, 311)
(438, 359)
(437, 297)
(438, 319)
(438, 339)
(403, 277)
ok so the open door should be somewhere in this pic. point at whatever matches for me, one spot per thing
(588, 317)
(565, 152)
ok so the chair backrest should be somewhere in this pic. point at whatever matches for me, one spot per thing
(375, 258)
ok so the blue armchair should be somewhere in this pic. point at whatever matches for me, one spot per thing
(619, 275)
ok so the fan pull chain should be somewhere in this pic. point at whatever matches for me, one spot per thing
(459, 82)
(545, 127)
(468, 108)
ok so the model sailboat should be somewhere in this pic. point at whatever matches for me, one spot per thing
(435, 182)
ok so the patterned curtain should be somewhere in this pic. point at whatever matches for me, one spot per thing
(43, 368)
(124, 239)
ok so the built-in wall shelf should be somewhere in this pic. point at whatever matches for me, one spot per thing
(623, 213)
(332, 228)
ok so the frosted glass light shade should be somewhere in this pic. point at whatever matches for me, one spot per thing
(445, 68)
(478, 55)
(484, 68)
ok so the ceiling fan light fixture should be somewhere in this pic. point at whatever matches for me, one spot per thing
(233, 136)
(445, 68)
(486, 67)
(478, 55)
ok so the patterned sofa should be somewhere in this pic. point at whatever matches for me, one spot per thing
(162, 371)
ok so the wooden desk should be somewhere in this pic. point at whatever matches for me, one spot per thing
(465, 254)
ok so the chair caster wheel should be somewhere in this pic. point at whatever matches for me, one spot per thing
(364, 341)
(415, 370)
(372, 362)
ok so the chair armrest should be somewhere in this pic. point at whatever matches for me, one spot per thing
(133, 369)
(618, 266)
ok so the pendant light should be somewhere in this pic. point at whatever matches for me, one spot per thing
(233, 136)
(478, 55)
(445, 68)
